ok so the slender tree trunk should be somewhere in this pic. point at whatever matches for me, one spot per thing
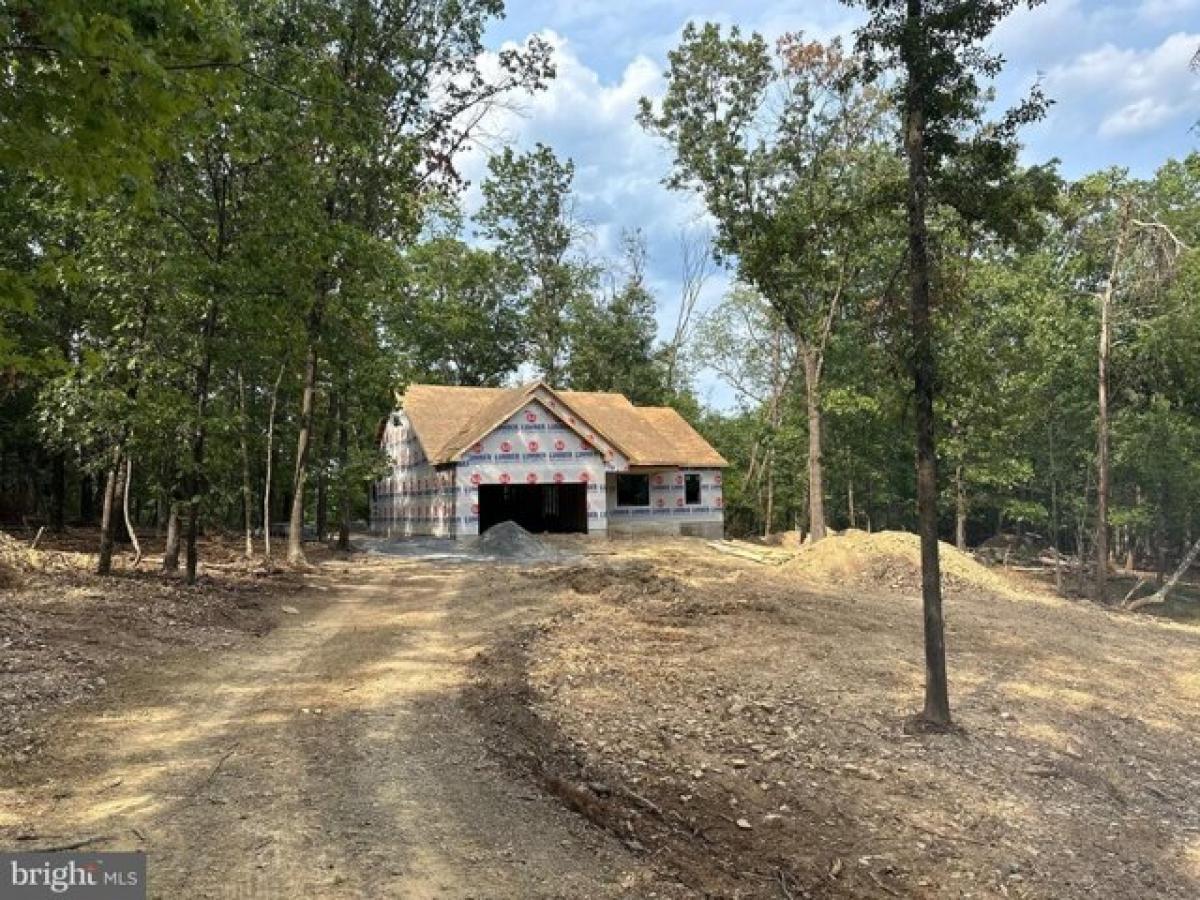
(108, 512)
(960, 510)
(295, 553)
(769, 518)
(270, 460)
(196, 479)
(937, 695)
(816, 469)
(1107, 295)
(247, 491)
(133, 538)
(343, 542)
(170, 561)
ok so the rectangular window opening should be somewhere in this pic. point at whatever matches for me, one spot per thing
(691, 489)
(633, 490)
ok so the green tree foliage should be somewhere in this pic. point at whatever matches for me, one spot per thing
(460, 314)
(611, 335)
(788, 151)
(528, 213)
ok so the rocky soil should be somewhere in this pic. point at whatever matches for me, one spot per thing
(744, 725)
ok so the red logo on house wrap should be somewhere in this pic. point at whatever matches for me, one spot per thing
(662, 502)
(585, 477)
(505, 446)
(533, 446)
(658, 479)
(559, 478)
(477, 448)
(476, 478)
(505, 478)
(717, 478)
(719, 502)
(679, 501)
(530, 416)
(474, 509)
(679, 478)
(531, 478)
(560, 444)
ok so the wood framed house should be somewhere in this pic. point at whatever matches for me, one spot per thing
(465, 459)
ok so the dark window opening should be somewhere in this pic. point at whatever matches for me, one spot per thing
(691, 489)
(633, 490)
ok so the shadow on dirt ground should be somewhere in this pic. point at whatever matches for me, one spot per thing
(332, 758)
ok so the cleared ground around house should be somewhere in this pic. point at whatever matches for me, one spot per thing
(330, 758)
(435, 728)
(746, 723)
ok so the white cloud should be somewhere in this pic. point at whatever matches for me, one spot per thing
(1130, 91)
(1141, 115)
(1167, 12)
(619, 168)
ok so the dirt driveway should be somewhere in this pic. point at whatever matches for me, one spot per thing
(330, 758)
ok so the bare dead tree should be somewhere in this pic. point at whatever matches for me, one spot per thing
(696, 267)
(1144, 253)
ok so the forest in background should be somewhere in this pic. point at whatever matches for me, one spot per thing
(231, 231)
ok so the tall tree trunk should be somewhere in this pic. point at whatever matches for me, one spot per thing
(270, 461)
(960, 510)
(937, 695)
(196, 479)
(108, 513)
(816, 469)
(769, 468)
(170, 561)
(1100, 587)
(247, 491)
(295, 552)
(343, 542)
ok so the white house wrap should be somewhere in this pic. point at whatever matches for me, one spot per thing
(464, 459)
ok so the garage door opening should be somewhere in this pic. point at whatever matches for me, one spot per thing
(540, 508)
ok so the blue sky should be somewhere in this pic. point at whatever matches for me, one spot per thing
(1118, 73)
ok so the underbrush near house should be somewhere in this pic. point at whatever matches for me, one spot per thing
(744, 725)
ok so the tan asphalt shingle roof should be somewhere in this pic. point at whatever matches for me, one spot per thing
(447, 420)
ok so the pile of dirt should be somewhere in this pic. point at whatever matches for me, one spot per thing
(790, 540)
(509, 541)
(890, 559)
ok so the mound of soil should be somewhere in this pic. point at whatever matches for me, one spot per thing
(508, 540)
(890, 559)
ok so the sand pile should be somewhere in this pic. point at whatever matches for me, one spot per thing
(890, 559)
